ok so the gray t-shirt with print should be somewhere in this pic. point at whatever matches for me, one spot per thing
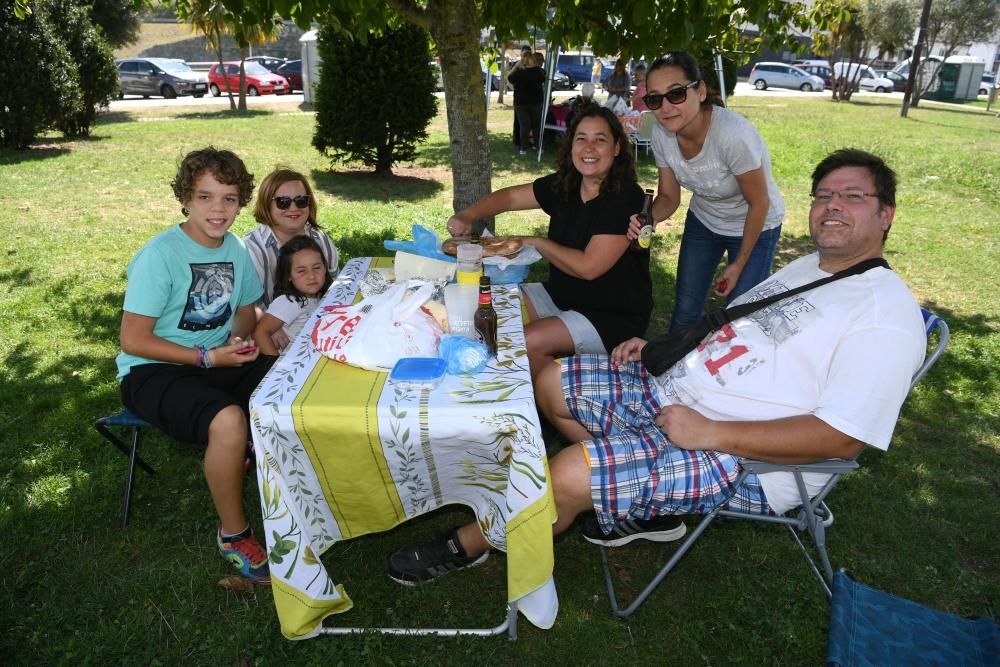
(732, 147)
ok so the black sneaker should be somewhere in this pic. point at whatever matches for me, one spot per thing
(428, 560)
(658, 529)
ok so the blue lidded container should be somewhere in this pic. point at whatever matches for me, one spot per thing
(418, 372)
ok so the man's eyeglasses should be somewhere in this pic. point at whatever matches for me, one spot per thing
(848, 196)
(301, 201)
(675, 96)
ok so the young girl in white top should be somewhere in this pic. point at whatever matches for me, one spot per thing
(302, 278)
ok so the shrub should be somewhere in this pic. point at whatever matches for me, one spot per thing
(375, 100)
(39, 76)
(97, 75)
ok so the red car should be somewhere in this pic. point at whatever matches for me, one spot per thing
(292, 71)
(259, 80)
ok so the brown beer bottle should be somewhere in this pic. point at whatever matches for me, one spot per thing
(645, 216)
(485, 319)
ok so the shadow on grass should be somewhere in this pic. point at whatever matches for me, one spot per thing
(112, 117)
(34, 153)
(17, 278)
(358, 185)
(224, 114)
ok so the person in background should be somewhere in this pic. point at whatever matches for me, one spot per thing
(640, 89)
(598, 293)
(618, 85)
(525, 52)
(721, 158)
(528, 80)
(596, 72)
(186, 365)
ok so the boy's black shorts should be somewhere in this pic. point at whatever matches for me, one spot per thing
(183, 400)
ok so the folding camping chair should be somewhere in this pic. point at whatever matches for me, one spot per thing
(133, 425)
(869, 627)
(814, 515)
(643, 137)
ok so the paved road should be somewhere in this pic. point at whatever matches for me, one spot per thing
(133, 102)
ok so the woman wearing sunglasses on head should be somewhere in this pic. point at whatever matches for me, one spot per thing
(285, 208)
(720, 157)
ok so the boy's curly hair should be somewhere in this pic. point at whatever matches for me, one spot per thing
(224, 165)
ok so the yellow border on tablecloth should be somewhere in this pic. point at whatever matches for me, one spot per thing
(301, 615)
(530, 558)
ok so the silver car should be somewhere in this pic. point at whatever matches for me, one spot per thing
(166, 77)
(781, 75)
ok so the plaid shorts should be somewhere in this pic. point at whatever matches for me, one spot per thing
(634, 470)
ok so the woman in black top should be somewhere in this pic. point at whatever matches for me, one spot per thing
(528, 79)
(599, 293)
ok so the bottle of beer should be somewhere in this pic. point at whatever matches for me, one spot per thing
(645, 239)
(485, 319)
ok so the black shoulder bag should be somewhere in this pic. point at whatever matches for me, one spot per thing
(664, 351)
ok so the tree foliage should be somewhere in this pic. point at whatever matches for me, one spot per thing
(632, 28)
(118, 20)
(374, 101)
(953, 24)
(213, 20)
(56, 68)
(889, 24)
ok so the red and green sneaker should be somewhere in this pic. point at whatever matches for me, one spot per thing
(246, 554)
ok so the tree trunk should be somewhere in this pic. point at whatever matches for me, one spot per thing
(244, 53)
(455, 28)
(217, 39)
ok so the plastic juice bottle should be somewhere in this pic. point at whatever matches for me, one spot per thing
(470, 263)
(485, 319)
(646, 218)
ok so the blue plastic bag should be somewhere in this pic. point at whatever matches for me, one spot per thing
(425, 243)
(464, 356)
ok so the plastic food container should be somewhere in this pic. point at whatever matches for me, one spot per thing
(418, 372)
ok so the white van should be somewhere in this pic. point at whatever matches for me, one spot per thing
(864, 76)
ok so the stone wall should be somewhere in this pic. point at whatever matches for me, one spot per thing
(195, 49)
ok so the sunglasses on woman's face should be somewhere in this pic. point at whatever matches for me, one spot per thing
(675, 96)
(300, 201)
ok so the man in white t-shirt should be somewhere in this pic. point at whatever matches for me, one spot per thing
(812, 377)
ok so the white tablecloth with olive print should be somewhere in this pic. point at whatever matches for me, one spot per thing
(341, 453)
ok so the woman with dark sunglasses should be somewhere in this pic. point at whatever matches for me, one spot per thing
(720, 157)
(285, 208)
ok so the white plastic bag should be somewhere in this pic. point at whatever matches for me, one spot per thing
(380, 330)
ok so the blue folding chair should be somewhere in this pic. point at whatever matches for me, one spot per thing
(132, 425)
(871, 628)
(814, 515)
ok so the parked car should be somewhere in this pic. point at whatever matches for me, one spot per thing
(864, 76)
(167, 77)
(259, 80)
(898, 80)
(560, 81)
(782, 75)
(822, 71)
(577, 66)
(988, 81)
(271, 63)
(292, 71)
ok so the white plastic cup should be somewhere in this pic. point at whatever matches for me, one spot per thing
(461, 301)
(470, 257)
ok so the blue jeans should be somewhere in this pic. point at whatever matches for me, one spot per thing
(701, 250)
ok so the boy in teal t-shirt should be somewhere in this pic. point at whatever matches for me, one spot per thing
(186, 365)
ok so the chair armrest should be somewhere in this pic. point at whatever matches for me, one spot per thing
(830, 466)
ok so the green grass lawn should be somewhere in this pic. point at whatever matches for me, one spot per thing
(919, 521)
